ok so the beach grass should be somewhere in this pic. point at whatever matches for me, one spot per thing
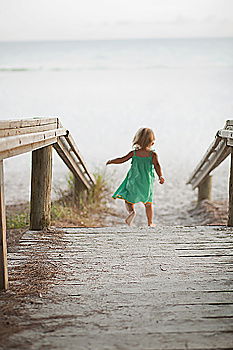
(86, 209)
(68, 209)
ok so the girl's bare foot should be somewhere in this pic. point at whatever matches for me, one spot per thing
(130, 218)
(151, 225)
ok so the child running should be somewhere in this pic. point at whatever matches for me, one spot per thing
(138, 186)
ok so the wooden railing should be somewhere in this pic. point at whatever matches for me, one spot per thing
(38, 135)
(220, 148)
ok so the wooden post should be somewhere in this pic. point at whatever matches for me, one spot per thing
(41, 184)
(3, 244)
(204, 189)
(230, 210)
(80, 192)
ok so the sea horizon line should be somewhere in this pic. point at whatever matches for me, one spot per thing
(117, 39)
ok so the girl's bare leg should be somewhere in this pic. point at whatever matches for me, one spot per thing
(131, 211)
(149, 214)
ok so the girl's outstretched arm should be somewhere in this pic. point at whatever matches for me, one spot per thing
(121, 159)
(158, 168)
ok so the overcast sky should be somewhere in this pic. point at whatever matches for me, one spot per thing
(107, 19)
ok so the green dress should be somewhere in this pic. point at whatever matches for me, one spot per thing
(138, 186)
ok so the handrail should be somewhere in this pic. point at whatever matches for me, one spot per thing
(17, 124)
(74, 148)
(21, 136)
(216, 153)
(219, 150)
(38, 135)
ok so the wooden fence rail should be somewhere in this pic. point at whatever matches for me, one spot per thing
(38, 135)
(219, 150)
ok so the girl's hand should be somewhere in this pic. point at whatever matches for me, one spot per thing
(161, 180)
(108, 162)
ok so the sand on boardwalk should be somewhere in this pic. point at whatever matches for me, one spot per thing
(30, 282)
(167, 287)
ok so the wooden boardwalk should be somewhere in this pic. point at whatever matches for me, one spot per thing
(130, 288)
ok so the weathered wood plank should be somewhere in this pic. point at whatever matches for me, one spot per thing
(209, 165)
(80, 191)
(22, 123)
(41, 184)
(215, 154)
(206, 156)
(74, 148)
(133, 283)
(70, 162)
(27, 130)
(24, 149)
(230, 142)
(3, 244)
(205, 189)
(11, 142)
(226, 133)
(230, 210)
(229, 123)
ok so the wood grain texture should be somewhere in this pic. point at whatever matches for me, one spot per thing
(72, 164)
(26, 135)
(230, 214)
(215, 158)
(11, 142)
(75, 149)
(206, 156)
(134, 288)
(29, 122)
(41, 183)
(27, 130)
(205, 189)
(3, 243)
(28, 148)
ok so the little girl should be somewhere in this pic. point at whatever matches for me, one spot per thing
(138, 186)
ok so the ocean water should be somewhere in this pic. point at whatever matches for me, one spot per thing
(103, 91)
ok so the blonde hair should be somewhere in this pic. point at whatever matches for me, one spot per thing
(143, 138)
